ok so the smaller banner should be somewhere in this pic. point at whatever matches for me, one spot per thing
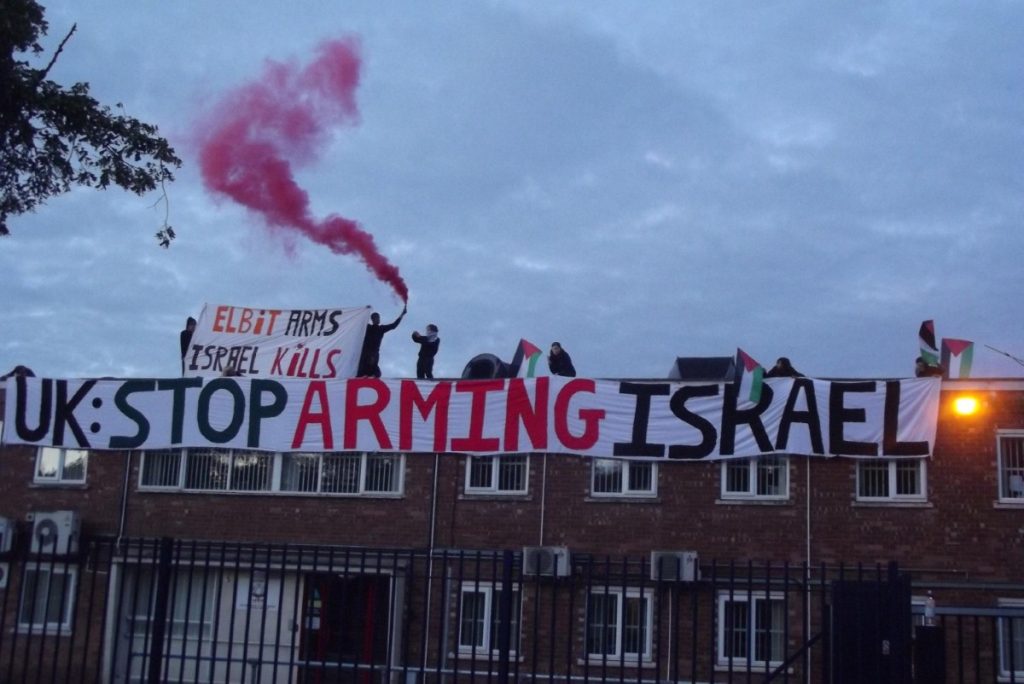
(241, 341)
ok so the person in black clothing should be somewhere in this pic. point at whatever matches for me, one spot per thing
(923, 369)
(185, 337)
(369, 359)
(429, 344)
(559, 361)
(783, 369)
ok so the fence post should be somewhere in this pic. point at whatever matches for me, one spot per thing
(163, 584)
(505, 617)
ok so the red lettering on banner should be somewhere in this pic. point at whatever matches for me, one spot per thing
(354, 412)
(437, 401)
(476, 441)
(590, 417)
(218, 322)
(309, 417)
(332, 372)
(533, 416)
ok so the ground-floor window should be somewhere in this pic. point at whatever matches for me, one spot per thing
(619, 624)
(480, 614)
(751, 628)
(47, 598)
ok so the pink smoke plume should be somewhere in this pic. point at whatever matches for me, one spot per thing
(259, 131)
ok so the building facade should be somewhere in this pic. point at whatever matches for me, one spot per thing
(229, 565)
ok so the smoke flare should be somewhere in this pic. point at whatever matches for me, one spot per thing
(257, 132)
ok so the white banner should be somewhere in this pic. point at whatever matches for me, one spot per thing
(651, 420)
(292, 343)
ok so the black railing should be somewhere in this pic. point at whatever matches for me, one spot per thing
(188, 611)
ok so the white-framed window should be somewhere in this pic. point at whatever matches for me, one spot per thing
(765, 477)
(479, 617)
(191, 603)
(505, 474)
(1011, 641)
(57, 465)
(1010, 453)
(619, 477)
(751, 629)
(47, 598)
(239, 470)
(891, 480)
(619, 624)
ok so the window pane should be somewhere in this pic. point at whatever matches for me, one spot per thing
(607, 476)
(208, 469)
(771, 476)
(74, 465)
(1011, 456)
(49, 463)
(471, 633)
(513, 619)
(602, 621)
(382, 472)
(300, 472)
(874, 478)
(641, 477)
(736, 618)
(251, 471)
(45, 598)
(512, 473)
(737, 476)
(480, 472)
(341, 473)
(1012, 644)
(161, 468)
(634, 628)
(769, 619)
(908, 478)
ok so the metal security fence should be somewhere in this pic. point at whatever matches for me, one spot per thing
(147, 610)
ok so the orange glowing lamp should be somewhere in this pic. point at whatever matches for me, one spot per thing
(966, 405)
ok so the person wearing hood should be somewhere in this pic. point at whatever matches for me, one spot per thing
(369, 358)
(185, 338)
(429, 343)
(559, 361)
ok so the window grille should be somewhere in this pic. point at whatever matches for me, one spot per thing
(161, 468)
(891, 480)
(751, 628)
(765, 477)
(615, 477)
(480, 615)
(47, 598)
(504, 474)
(1010, 445)
(619, 624)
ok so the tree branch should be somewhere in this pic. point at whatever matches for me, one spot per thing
(60, 48)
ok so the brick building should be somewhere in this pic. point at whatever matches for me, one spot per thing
(246, 566)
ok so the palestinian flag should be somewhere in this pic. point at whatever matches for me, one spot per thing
(524, 362)
(749, 377)
(926, 337)
(957, 356)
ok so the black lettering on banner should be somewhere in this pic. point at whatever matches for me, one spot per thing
(237, 410)
(20, 425)
(891, 446)
(839, 415)
(708, 434)
(333, 318)
(811, 417)
(64, 413)
(258, 410)
(178, 387)
(732, 417)
(641, 417)
(126, 389)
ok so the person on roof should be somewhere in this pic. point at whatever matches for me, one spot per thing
(369, 359)
(429, 344)
(559, 361)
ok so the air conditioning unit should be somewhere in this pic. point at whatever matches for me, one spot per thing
(6, 534)
(546, 561)
(674, 566)
(55, 532)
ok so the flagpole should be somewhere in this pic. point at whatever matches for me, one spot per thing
(1007, 354)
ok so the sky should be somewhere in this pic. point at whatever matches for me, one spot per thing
(638, 181)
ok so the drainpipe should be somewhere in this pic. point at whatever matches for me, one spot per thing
(430, 554)
(543, 497)
(124, 499)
